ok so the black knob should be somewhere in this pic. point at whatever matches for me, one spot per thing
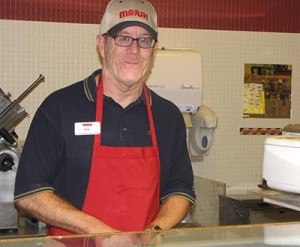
(7, 136)
(6, 162)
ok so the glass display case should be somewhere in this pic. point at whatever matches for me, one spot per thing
(281, 234)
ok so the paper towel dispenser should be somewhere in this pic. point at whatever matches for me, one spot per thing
(176, 75)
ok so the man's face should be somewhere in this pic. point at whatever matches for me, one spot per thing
(125, 65)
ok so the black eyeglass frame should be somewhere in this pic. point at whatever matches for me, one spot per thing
(153, 41)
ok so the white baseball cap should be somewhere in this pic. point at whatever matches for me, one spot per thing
(120, 14)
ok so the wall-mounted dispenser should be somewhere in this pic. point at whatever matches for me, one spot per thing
(176, 75)
(201, 135)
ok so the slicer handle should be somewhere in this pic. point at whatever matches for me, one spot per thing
(7, 136)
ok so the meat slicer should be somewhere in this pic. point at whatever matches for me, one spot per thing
(11, 114)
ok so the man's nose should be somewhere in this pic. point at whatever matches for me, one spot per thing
(134, 46)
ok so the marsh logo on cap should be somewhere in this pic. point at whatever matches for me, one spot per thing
(120, 14)
(133, 12)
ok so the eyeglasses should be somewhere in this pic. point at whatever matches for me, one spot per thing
(126, 41)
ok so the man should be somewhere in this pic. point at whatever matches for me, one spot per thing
(101, 155)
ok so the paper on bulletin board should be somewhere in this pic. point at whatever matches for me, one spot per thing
(254, 98)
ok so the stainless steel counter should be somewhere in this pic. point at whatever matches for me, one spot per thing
(23, 231)
(281, 198)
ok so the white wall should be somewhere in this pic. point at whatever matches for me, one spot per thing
(65, 53)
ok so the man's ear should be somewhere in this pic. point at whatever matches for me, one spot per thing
(101, 43)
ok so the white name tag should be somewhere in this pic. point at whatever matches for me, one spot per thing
(87, 128)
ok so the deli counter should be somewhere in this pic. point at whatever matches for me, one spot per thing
(280, 234)
(217, 219)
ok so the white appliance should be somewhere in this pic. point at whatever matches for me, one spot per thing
(281, 163)
(176, 75)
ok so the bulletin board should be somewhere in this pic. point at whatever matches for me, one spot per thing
(267, 91)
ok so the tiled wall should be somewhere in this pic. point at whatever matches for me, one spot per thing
(66, 52)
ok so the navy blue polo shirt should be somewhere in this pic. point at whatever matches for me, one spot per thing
(54, 158)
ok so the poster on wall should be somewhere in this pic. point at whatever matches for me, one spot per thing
(254, 98)
(267, 90)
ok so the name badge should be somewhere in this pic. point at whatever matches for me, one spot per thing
(87, 128)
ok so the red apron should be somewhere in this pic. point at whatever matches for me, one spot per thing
(123, 189)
